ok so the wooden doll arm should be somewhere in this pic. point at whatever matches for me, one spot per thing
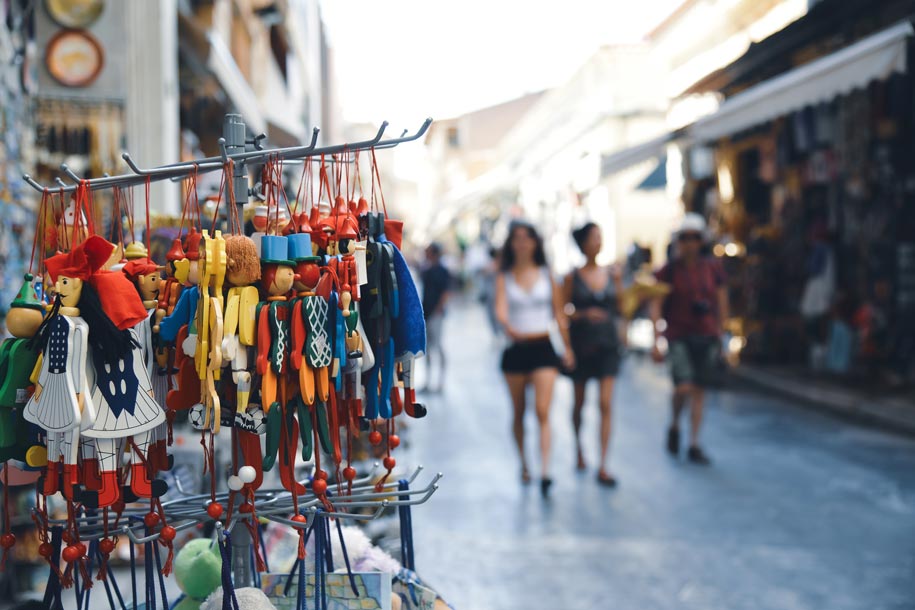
(263, 341)
(247, 309)
(230, 318)
(297, 334)
(80, 355)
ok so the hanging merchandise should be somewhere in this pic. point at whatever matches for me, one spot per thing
(298, 339)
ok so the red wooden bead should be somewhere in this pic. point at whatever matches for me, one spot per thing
(321, 474)
(393, 441)
(119, 506)
(45, 549)
(7, 541)
(106, 546)
(299, 519)
(349, 473)
(214, 510)
(168, 533)
(151, 519)
(82, 549)
(319, 486)
(65, 536)
(71, 553)
(389, 463)
(375, 437)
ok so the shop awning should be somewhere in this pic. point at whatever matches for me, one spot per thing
(657, 178)
(620, 160)
(873, 58)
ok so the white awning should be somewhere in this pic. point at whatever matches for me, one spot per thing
(621, 159)
(873, 58)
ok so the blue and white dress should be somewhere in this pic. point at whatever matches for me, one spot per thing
(64, 365)
(122, 397)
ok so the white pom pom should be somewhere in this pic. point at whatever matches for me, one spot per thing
(247, 474)
(235, 483)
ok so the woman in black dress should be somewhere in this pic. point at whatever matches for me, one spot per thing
(591, 304)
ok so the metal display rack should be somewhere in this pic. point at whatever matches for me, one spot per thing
(275, 505)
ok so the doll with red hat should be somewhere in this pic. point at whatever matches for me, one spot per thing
(127, 411)
(341, 230)
(145, 275)
(179, 327)
(76, 335)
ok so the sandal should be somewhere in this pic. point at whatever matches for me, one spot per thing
(607, 480)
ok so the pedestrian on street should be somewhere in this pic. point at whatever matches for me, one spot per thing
(436, 281)
(695, 311)
(590, 296)
(528, 306)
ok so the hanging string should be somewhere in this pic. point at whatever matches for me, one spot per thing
(8, 542)
(117, 228)
(39, 230)
(376, 175)
(306, 179)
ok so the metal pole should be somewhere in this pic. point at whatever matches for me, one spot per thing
(233, 131)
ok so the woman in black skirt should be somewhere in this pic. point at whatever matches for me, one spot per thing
(591, 305)
(528, 304)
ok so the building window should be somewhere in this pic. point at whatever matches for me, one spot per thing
(453, 140)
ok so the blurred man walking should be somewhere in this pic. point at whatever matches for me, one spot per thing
(694, 310)
(436, 281)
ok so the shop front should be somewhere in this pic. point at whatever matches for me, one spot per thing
(806, 182)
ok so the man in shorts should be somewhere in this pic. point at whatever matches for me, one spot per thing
(694, 311)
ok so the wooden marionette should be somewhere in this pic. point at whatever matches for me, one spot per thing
(61, 403)
(342, 231)
(310, 354)
(273, 347)
(17, 361)
(145, 276)
(242, 273)
(209, 324)
(121, 391)
(179, 327)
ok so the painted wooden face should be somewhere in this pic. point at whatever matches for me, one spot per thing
(282, 281)
(148, 286)
(69, 289)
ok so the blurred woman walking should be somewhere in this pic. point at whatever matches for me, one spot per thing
(590, 296)
(528, 304)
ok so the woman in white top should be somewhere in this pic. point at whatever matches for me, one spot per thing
(528, 303)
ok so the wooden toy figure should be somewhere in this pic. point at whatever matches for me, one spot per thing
(342, 230)
(209, 325)
(179, 327)
(242, 272)
(145, 276)
(277, 278)
(61, 404)
(17, 360)
(122, 392)
(311, 353)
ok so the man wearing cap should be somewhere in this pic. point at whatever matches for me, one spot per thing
(694, 310)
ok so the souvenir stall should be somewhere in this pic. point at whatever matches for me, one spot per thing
(278, 350)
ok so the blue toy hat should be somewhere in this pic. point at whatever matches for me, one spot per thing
(275, 250)
(300, 248)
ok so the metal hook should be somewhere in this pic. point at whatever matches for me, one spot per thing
(70, 173)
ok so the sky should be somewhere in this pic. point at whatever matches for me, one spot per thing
(404, 60)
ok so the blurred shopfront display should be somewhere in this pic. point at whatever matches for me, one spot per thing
(805, 173)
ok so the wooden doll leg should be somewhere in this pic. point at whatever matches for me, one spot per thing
(307, 383)
(109, 452)
(140, 481)
(322, 380)
(274, 415)
(268, 389)
(52, 476)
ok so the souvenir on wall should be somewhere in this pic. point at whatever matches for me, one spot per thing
(74, 58)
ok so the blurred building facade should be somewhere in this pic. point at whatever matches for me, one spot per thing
(602, 147)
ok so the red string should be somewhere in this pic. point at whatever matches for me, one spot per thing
(6, 512)
(167, 568)
(39, 229)
(377, 175)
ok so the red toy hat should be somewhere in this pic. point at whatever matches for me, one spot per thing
(176, 252)
(82, 261)
(346, 226)
(137, 267)
(192, 245)
(119, 298)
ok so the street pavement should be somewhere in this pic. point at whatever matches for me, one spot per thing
(799, 511)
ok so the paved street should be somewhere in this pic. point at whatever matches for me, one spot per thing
(799, 511)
